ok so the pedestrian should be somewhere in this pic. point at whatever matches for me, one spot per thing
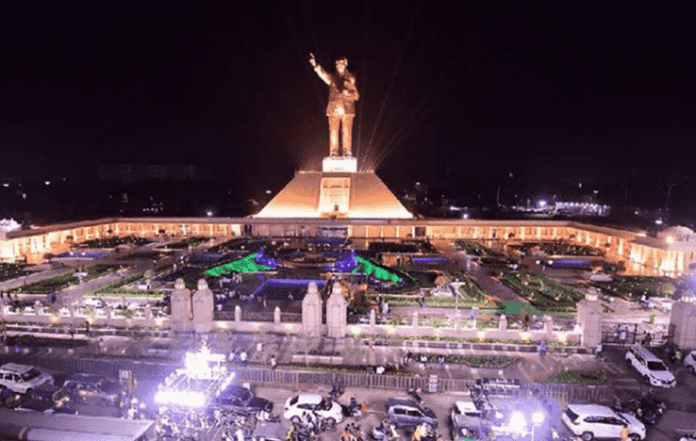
(87, 328)
(647, 340)
(622, 335)
(624, 433)
(441, 361)
(598, 351)
(243, 358)
(422, 302)
(72, 331)
(542, 348)
(274, 363)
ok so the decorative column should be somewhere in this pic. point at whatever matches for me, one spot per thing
(182, 308)
(203, 308)
(336, 313)
(590, 318)
(311, 312)
(683, 319)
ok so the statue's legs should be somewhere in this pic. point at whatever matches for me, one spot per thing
(347, 129)
(334, 123)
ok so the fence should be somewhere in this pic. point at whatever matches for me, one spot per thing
(562, 393)
(660, 333)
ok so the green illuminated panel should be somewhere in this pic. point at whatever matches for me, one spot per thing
(244, 265)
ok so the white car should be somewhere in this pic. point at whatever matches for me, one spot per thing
(595, 421)
(324, 408)
(651, 368)
(690, 362)
(22, 378)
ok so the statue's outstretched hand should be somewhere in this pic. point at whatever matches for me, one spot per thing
(312, 60)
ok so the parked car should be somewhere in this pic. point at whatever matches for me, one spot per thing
(22, 378)
(650, 367)
(325, 408)
(47, 398)
(466, 419)
(404, 412)
(690, 362)
(241, 401)
(596, 421)
(94, 389)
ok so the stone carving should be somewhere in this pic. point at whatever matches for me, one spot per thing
(341, 108)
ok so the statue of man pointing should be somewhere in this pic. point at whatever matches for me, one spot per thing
(341, 109)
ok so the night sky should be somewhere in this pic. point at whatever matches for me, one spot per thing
(535, 97)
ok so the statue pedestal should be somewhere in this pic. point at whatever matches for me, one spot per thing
(338, 164)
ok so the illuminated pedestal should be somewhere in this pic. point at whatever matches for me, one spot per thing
(338, 191)
(337, 164)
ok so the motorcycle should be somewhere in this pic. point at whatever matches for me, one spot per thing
(336, 391)
(413, 392)
(646, 408)
(385, 432)
(691, 437)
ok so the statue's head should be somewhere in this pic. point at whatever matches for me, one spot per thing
(341, 64)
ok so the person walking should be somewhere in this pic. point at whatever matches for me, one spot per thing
(647, 340)
(598, 351)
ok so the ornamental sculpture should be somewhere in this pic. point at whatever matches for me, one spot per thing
(341, 108)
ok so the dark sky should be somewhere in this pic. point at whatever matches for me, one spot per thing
(458, 94)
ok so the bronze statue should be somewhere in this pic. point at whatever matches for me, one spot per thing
(341, 109)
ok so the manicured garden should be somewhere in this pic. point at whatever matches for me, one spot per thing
(476, 249)
(9, 271)
(541, 292)
(558, 249)
(186, 243)
(113, 242)
(633, 287)
(62, 281)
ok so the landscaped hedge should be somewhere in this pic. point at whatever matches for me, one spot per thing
(476, 249)
(633, 287)
(113, 242)
(542, 292)
(578, 377)
(9, 271)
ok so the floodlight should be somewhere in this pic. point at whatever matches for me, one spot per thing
(538, 417)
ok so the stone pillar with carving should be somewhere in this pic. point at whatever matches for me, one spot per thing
(337, 313)
(38, 307)
(203, 308)
(683, 320)
(590, 319)
(181, 307)
(311, 312)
